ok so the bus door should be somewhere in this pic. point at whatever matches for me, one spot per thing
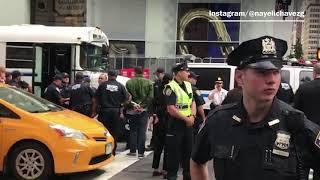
(50, 59)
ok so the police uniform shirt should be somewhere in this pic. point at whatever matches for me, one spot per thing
(66, 91)
(197, 96)
(170, 96)
(285, 93)
(111, 94)
(52, 93)
(266, 150)
(80, 95)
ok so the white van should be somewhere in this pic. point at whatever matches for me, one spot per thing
(294, 75)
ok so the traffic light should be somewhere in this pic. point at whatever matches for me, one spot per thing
(318, 54)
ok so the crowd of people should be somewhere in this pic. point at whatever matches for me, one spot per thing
(252, 132)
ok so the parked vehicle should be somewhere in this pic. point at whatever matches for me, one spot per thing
(39, 139)
(294, 75)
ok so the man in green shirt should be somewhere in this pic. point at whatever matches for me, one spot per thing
(141, 91)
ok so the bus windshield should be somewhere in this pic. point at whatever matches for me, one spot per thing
(93, 58)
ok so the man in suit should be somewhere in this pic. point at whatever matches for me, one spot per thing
(307, 99)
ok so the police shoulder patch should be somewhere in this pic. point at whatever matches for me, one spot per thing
(168, 91)
(198, 92)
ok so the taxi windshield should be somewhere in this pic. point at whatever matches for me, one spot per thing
(26, 101)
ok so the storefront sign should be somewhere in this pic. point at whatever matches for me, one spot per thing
(70, 7)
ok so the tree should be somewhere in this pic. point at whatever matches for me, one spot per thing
(298, 49)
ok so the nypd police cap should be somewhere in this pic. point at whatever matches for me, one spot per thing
(180, 67)
(262, 53)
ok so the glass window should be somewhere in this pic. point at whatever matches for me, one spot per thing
(206, 82)
(305, 76)
(7, 113)
(19, 56)
(285, 76)
(93, 57)
(26, 101)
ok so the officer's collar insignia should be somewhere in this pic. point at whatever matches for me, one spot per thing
(268, 46)
(198, 92)
(317, 141)
(282, 144)
(236, 118)
(168, 91)
(273, 122)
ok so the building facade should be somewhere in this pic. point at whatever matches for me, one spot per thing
(157, 28)
(311, 29)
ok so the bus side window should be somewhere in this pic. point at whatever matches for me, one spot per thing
(19, 55)
(305, 76)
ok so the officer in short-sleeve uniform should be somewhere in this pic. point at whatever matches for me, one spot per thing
(279, 146)
(81, 96)
(110, 95)
(52, 92)
(181, 109)
(198, 99)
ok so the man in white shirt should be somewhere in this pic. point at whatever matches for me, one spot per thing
(218, 94)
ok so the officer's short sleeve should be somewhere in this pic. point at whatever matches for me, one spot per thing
(202, 149)
(197, 97)
(124, 93)
(170, 96)
(55, 94)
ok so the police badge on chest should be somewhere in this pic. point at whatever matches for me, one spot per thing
(282, 144)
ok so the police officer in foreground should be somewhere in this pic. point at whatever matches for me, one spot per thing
(110, 95)
(198, 99)
(182, 112)
(81, 96)
(259, 137)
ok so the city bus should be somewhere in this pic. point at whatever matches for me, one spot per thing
(39, 52)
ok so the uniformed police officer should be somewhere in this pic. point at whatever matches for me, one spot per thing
(81, 96)
(198, 99)
(285, 93)
(181, 109)
(110, 95)
(66, 88)
(52, 92)
(259, 137)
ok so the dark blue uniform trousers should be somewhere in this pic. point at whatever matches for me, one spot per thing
(178, 148)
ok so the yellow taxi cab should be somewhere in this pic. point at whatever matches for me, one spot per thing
(39, 139)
